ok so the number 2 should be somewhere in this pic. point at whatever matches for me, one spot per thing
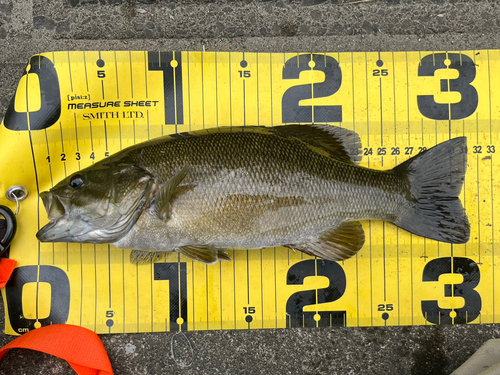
(296, 316)
(291, 110)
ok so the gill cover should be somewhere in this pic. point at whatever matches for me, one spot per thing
(98, 204)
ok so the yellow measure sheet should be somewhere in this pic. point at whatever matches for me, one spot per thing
(72, 109)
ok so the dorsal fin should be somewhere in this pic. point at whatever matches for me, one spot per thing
(342, 144)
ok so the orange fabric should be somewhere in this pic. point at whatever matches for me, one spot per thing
(6, 268)
(82, 348)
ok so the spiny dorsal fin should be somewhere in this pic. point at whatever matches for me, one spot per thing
(165, 192)
(205, 253)
(336, 244)
(342, 144)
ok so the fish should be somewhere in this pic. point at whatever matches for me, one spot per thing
(204, 192)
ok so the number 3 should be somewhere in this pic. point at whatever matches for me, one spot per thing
(467, 72)
(471, 276)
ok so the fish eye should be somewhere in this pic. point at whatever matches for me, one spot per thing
(76, 181)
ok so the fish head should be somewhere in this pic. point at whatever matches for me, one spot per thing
(99, 204)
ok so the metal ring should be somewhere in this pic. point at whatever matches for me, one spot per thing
(17, 193)
(17, 204)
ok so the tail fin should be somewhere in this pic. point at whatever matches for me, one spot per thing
(435, 179)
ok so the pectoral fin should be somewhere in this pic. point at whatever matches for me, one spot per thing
(205, 254)
(339, 243)
(165, 192)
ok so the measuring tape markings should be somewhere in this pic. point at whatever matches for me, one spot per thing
(240, 94)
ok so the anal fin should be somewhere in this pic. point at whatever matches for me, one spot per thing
(205, 254)
(337, 244)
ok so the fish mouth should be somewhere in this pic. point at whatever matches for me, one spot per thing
(53, 205)
(88, 227)
(46, 234)
(56, 212)
(46, 198)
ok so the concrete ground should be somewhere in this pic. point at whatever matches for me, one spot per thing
(31, 26)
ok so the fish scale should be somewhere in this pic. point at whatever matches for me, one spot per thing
(255, 187)
(325, 186)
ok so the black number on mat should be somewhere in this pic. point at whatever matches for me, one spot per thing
(292, 111)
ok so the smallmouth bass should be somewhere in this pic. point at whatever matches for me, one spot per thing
(298, 186)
